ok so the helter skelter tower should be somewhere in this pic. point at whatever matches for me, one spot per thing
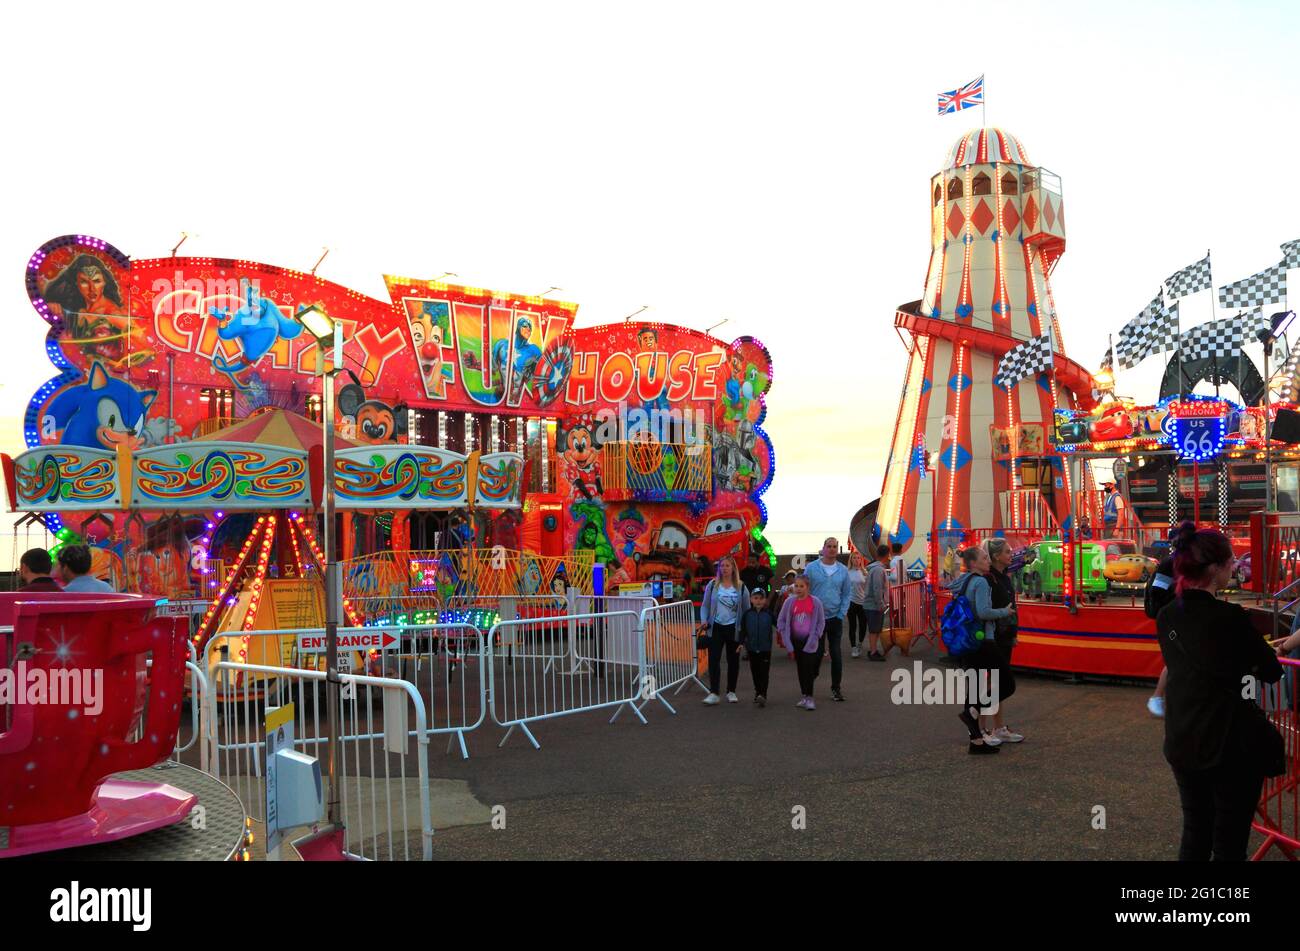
(997, 228)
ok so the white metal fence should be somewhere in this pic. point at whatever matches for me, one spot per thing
(383, 772)
(542, 668)
(434, 679)
(670, 654)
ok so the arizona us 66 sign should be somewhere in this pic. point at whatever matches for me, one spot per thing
(373, 640)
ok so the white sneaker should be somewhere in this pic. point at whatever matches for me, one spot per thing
(992, 739)
(1006, 736)
(1157, 706)
(732, 698)
(711, 699)
(857, 652)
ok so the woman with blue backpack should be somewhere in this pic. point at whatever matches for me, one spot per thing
(968, 627)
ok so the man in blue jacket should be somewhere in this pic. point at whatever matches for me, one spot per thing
(828, 581)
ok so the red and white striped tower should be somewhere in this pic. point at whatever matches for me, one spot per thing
(997, 228)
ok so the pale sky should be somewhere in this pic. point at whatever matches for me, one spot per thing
(763, 163)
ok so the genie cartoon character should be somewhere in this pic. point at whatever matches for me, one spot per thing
(373, 423)
(256, 327)
(592, 535)
(629, 526)
(102, 412)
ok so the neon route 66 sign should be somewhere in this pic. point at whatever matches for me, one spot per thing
(1200, 427)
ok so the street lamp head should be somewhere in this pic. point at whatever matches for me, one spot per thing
(317, 323)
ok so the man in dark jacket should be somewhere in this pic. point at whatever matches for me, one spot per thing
(756, 627)
(34, 569)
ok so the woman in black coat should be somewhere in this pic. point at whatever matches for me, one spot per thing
(1214, 738)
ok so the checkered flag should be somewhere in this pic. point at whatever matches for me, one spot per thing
(1218, 340)
(1108, 361)
(1266, 287)
(1032, 356)
(1154, 330)
(1291, 254)
(1193, 278)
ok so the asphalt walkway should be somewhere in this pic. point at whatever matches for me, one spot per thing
(875, 780)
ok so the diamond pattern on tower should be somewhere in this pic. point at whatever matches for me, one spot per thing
(955, 220)
(1010, 217)
(959, 383)
(962, 457)
(903, 535)
(1031, 213)
(925, 385)
(1049, 213)
(981, 217)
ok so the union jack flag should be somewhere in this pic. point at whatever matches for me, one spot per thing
(955, 100)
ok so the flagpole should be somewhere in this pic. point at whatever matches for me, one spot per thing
(1178, 336)
(1114, 373)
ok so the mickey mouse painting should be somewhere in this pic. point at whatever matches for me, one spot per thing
(375, 423)
(577, 446)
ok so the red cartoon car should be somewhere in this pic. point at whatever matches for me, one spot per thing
(1114, 423)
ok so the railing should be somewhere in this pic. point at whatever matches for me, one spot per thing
(446, 663)
(545, 668)
(911, 606)
(1027, 510)
(386, 583)
(671, 659)
(659, 471)
(384, 797)
(209, 426)
(1278, 812)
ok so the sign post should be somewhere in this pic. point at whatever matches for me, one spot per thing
(279, 736)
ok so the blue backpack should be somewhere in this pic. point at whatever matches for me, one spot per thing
(960, 629)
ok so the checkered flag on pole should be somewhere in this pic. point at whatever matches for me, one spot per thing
(1216, 340)
(1266, 287)
(1108, 361)
(1291, 253)
(1032, 356)
(1155, 329)
(1193, 278)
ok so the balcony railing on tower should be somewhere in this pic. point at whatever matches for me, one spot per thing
(652, 471)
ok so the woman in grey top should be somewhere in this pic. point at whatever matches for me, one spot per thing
(724, 603)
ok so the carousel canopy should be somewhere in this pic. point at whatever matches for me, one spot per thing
(276, 427)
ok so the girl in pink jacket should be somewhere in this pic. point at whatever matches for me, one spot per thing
(800, 629)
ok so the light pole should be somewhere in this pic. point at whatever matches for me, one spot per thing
(1277, 325)
(329, 335)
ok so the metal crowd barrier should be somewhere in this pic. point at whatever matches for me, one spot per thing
(910, 606)
(523, 670)
(384, 798)
(446, 663)
(670, 655)
(543, 668)
(1277, 817)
